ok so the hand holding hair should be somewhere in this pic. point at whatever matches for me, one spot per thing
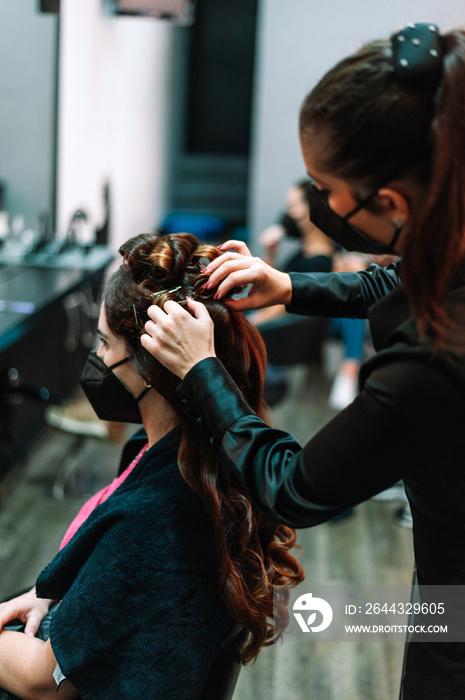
(240, 268)
(178, 339)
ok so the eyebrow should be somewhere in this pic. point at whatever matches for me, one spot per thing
(104, 335)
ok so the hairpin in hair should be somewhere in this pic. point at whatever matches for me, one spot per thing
(165, 291)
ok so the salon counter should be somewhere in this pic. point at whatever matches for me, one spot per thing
(48, 318)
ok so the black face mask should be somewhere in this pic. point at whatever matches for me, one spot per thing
(109, 397)
(290, 226)
(341, 231)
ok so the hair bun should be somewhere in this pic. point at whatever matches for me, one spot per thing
(162, 263)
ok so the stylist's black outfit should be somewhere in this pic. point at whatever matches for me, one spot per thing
(408, 422)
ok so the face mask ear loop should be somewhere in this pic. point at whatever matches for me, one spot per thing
(395, 238)
(362, 205)
(121, 362)
(143, 393)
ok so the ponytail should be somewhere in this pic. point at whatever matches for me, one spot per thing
(436, 238)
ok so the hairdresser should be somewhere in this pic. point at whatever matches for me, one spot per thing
(383, 140)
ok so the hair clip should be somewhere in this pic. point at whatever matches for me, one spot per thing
(416, 52)
(165, 291)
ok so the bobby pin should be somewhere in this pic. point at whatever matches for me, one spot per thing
(165, 291)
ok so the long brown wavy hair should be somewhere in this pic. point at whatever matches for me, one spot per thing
(372, 128)
(253, 554)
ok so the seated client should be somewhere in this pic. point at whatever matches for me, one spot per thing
(161, 564)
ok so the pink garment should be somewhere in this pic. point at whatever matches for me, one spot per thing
(98, 498)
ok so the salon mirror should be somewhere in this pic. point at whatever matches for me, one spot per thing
(28, 86)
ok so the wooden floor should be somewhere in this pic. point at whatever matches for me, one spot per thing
(364, 548)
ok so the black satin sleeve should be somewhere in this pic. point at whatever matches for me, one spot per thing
(398, 427)
(341, 294)
(299, 486)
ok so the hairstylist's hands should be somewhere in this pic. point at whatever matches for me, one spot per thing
(237, 268)
(27, 608)
(178, 340)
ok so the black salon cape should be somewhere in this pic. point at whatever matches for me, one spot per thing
(139, 616)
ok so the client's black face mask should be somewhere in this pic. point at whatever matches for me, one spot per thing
(109, 397)
(341, 231)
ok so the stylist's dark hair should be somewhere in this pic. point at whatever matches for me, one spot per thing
(371, 129)
(253, 553)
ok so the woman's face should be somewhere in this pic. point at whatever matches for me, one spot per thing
(112, 349)
(379, 226)
(296, 206)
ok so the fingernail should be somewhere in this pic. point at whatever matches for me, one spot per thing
(216, 296)
(205, 269)
(221, 245)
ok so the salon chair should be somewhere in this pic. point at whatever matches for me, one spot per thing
(206, 227)
(293, 339)
(223, 674)
(290, 340)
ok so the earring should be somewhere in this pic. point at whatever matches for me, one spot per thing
(398, 223)
(149, 386)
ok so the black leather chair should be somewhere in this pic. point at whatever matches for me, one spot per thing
(223, 674)
(293, 339)
(290, 340)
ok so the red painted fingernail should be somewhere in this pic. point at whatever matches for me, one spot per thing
(204, 270)
(216, 296)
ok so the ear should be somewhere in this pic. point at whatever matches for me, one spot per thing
(395, 202)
